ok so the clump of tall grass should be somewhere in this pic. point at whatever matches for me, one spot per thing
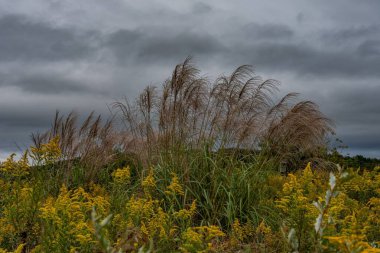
(225, 139)
(236, 112)
(92, 143)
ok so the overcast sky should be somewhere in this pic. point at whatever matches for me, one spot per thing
(82, 55)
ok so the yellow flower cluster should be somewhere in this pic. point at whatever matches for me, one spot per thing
(15, 211)
(238, 233)
(351, 243)
(355, 211)
(140, 208)
(199, 239)
(16, 168)
(297, 198)
(122, 176)
(66, 218)
(175, 187)
(47, 152)
(351, 218)
(147, 214)
(261, 235)
(186, 214)
(149, 183)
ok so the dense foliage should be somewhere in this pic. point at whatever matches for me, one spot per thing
(224, 206)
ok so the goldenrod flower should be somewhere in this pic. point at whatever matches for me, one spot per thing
(149, 183)
(122, 176)
(16, 168)
(175, 187)
(47, 152)
(186, 214)
(66, 218)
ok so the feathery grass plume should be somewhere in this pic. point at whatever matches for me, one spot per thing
(93, 142)
(236, 112)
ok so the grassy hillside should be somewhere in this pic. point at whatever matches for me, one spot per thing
(215, 206)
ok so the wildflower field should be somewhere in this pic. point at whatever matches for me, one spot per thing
(199, 168)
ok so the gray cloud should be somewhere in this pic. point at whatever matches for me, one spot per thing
(366, 141)
(347, 35)
(267, 31)
(30, 41)
(355, 112)
(201, 8)
(306, 59)
(51, 84)
(160, 44)
(267, 46)
(370, 48)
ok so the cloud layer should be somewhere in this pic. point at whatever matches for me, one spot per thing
(66, 56)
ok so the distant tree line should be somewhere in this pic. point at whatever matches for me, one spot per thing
(357, 161)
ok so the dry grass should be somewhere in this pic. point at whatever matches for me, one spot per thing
(92, 142)
(238, 111)
(190, 113)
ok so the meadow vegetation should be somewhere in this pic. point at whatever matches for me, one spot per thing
(198, 166)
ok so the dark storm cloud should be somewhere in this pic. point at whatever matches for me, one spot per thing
(17, 122)
(267, 31)
(347, 35)
(161, 45)
(357, 104)
(125, 43)
(370, 48)
(201, 8)
(19, 117)
(365, 141)
(267, 46)
(306, 59)
(51, 84)
(26, 40)
(356, 113)
(185, 43)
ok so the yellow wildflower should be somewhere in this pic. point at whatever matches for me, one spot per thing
(47, 152)
(175, 187)
(69, 213)
(211, 231)
(144, 229)
(84, 238)
(149, 183)
(146, 214)
(187, 213)
(199, 239)
(263, 229)
(351, 243)
(122, 176)
(192, 237)
(140, 208)
(16, 168)
(237, 231)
